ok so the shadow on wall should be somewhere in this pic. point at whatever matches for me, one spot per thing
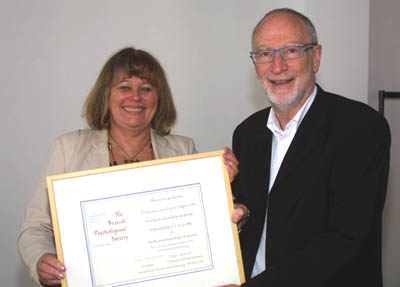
(391, 212)
(256, 95)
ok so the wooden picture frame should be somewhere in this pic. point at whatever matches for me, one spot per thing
(162, 222)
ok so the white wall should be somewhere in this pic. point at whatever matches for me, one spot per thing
(52, 51)
(342, 28)
(384, 74)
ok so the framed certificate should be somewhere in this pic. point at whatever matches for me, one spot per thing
(157, 223)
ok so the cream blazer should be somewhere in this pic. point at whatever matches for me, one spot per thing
(75, 151)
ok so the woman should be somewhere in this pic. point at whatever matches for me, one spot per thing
(130, 112)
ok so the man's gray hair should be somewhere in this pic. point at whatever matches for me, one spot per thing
(307, 22)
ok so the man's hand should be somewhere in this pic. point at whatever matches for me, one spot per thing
(50, 270)
(240, 215)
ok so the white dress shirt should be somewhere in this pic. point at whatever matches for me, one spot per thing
(281, 141)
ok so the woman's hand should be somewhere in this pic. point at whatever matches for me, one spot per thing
(231, 163)
(50, 270)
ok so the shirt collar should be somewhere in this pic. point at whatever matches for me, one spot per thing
(273, 123)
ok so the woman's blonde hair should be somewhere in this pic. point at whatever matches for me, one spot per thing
(130, 62)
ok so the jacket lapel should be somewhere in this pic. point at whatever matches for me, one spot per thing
(262, 156)
(308, 136)
(98, 154)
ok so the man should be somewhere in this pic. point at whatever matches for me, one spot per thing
(313, 170)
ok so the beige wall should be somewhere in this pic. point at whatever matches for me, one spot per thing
(384, 74)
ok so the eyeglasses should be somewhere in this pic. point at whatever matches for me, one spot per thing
(287, 53)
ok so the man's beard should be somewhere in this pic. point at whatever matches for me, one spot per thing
(291, 99)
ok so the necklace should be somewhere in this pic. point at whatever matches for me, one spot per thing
(131, 159)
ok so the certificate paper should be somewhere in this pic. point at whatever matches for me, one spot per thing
(157, 223)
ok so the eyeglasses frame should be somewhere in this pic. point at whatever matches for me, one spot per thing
(303, 46)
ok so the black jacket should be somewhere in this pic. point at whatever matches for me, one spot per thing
(325, 207)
